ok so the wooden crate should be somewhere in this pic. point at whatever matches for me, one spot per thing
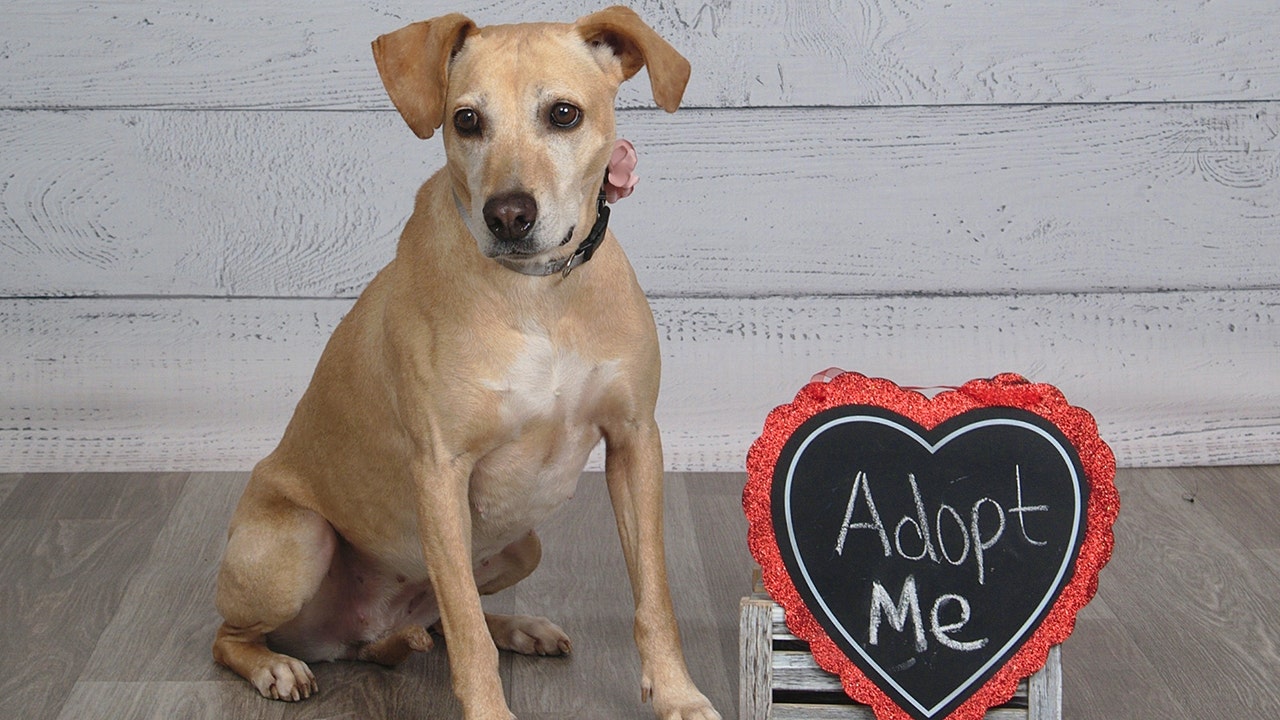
(781, 681)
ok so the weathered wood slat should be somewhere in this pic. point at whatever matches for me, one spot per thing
(797, 670)
(862, 712)
(800, 663)
(781, 632)
(807, 711)
(757, 53)
(755, 647)
(776, 669)
(732, 203)
(1044, 689)
(1173, 378)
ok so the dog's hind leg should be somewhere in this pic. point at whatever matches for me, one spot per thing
(398, 646)
(276, 557)
(519, 633)
(512, 564)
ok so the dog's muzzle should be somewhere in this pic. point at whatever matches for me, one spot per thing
(510, 218)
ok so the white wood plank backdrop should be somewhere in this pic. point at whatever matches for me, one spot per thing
(1088, 193)
(315, 54)
(898, 200)
(1172, 378)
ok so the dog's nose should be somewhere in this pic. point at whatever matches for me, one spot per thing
(510, 216)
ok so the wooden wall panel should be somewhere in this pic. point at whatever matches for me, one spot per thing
(747, 53)
(731, 203)
(1173, 378)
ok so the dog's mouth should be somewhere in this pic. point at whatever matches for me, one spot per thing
(535, 262)
(519, 251)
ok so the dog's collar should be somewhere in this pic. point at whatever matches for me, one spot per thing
(588, 246)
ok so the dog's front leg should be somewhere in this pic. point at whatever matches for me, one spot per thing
(444, 522)
(633, 469)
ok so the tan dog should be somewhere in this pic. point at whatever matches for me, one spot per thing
(455, 405)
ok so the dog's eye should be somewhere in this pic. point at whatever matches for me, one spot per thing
(467, 122)
(565, 116)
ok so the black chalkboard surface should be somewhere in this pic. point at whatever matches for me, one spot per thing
(925, 544)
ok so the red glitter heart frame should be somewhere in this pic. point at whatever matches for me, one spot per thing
(1006, 390)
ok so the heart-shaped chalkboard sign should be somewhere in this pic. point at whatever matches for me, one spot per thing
(930, 550)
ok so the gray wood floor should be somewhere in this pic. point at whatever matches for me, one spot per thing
(106, 585)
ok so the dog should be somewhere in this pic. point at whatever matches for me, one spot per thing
(455, 405)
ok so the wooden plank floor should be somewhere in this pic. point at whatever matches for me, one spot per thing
(106, 584)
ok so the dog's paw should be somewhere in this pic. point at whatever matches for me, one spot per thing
(284, 678)
(684, 704)
(528, 635)
(696, 709)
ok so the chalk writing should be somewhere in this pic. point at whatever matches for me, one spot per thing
(945, 536)
(923, 538)
(1020, 510)
(906, 611)
(860, 481)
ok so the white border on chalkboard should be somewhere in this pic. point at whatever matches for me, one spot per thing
(933, 449)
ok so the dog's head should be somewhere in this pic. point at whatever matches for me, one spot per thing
(528, 117)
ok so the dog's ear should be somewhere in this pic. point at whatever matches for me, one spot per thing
(637, 46)
(414, 65)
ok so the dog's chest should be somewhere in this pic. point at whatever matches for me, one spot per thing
(547, 382)
(549, 400)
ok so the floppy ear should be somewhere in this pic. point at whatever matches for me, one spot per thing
(414, 65)
(637, 45)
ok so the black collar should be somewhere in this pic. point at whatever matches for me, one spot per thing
(588, 246)
(580, 256)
